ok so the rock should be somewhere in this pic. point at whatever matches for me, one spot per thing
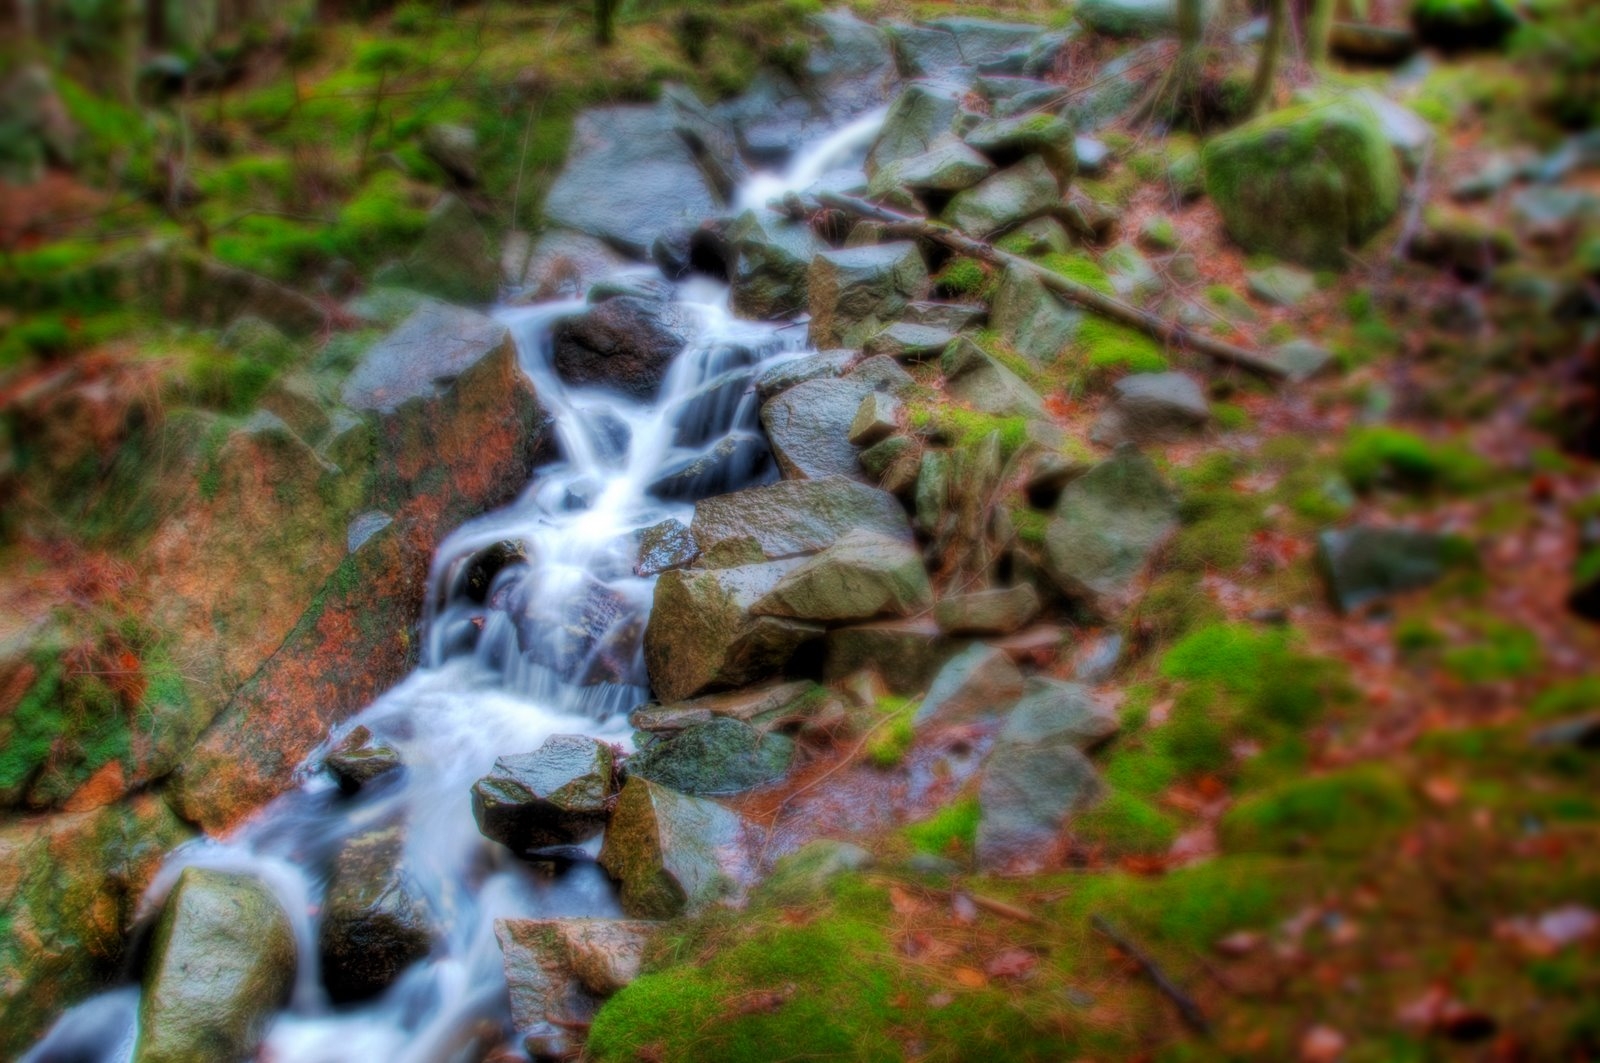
(176, 282)
(893, 464)
(907, 653)
(1366, 43)
(702, 635)
(664, 546)
(375, 922)
(359, 759)
(877, 418)
(806, 873)
(933, 490)
(796, 516)
(1130, 273)
(1012, 140)
(454, 258)
(1281, 285)
(1307, 182)
(1302, 359)
(734, 459)
(1032, 320)
(1406, 131)
(1106, 525)
(1021, 193)
(454, 148)
(1153, 408)
(978, 681)
(950, 317)
(221, 963)
(719, 756)
(808, 427)
(563, 969)
(1041, 236)
(673, 854)
(1132, 18)
(984, 44)
(38, 128)
(996, 611)
(625, 343)
(882, 373)
(1362, 564)
(1052, 712)
(980, 381)
(767, 706)
(856, 292)
(1459, 25)
(786, 374)
(630, 177)
(861, 576)
(922, 116)
(1092, 155)
(909, 343)
(564, 264)
(771, 260)
(556, 795)
(948, 166)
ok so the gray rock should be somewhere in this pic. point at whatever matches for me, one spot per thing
(719, 756)
(454, 258)
(1362, 564)
(625, 343)
(375, 922)
(1041, 236)
(556, 795)
(984, 44)
(564, 264)
(857, 291)
(767, 706)
(1130, 273)
(1092, 155)
(1052, 712)
(950, 317)
(877, 418)
(906, 653)
(771, 259)
(1281, 285)
(1049, 136)
(995, 611)
(822, 365)
(933, 490)
(929, 52)
(667, 545)
(1106, 525)
(861, 576)
(1153, 408)
(1030, 318)
(796, 516)
(805, 873)
(359, 759)
(1302, 359)
(893, 464)
(418, 360)
(1406, 131)
(978, 681)
(1012, 196)
(454, 148)
(948, 166)
(563, 969)
(735, 458)
(671, 853)
(923, 115)
(809, 428)
(882, 373)
(980, 381)
(909, 343)
(1132, 18)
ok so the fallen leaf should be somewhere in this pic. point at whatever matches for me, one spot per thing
(1011, 963)
(970, 977)
(1568, 924)
(1322, 1044)
(904, 903)
(962, 910)
(1442, 790)
(1238, 943)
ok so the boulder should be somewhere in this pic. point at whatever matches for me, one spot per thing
(1363, 564)
(1025, 191)
(877, 418)
(672, 854)
(979, 380)
(1153, 408)
(857, 291)
(922, 116)
(1301, 359)
(455, 149)
(1034, 321)
(1305, 183)
(884, 374)
(907, 342)
(1106, 525)
(893, 464)
(768, 705)
(906, 653)
(985, 44)
(702, 635)
(563, 264)
(454, 258)
(1459, 25)
(720, 756)
(625, 343)
(1052, 712)
(1406, 131)
(786, 374)
(978, 681)
(667, 545)
(808, 427)
(950, 317)
(1011, 140)
(221, 964)
(375, 922)
(556, 795)
(771, 257)
(860, 576)
(1281, 285)
(797, 516)
(1132, 18)
(359, 759)
(995, 611)
(559, 971)
(947, 166)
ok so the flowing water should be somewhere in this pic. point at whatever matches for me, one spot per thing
(533, 628)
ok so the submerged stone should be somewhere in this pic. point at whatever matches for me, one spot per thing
(667, 545)
(375, 922)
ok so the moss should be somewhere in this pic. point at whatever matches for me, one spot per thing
(1382, 456)
(969, 428)
(1231, 418)
(1139, 771)
(1030, 524)
(1124, 824)
(962, 276)
(1226, 654)
(1218, 527)
(1107, 348)
(1175, 603)
(1196, 738)
(1080, 268)
(1342, 814)
(892, 740)
(952, 830)
(1500, 652)
(1567, 699)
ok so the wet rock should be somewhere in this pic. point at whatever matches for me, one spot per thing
(906, 653)
(733, 459)
(882, 373)
(978, 681)
(1460, 25)
(359, 759)
(771, 259)
(1012, 140)
(1153, 408)
(1106, 525)
(947, 166)
(421, 358)
(949, 317)
(719, 756)
(1021, 193)
(808, 427)
(1033, 321)
(1362, 564)
(562, 970)
(1281, 285)
(996, 611)
(672, 854)
(556, 795)
(980, 381)
(454, 148)
(922, 116)
(822, 365)
(860, 576)
(454, 258)
(221, 964)
(564, 264)
(909, 343)
(625, 343)
(375, 922)
(767, 706)
(796, 516)
(893, 464)
(664, 546)
(1131, 18)
(1366, 43)
(877, 418)
(857, 291)
(702, 635)
(1305, 183)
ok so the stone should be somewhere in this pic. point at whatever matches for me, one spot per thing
(625, 343)
(906, 342)
(907, 653)
(877, 418)
(720, 756)
(771, 259)
(797, 516)
(860, 576)
(950, 317)
(455, 148)
(1305, 183)
(979, 681)
(1051, 712)
(1406, 131)
(454, 258)
(857, 291)
(1132, 18)
(1032, 319)
(667, 545)
(1302, 359)
(1153, 408)
(359, 759)
(564, 264)
(1366, 43)
(767, 705)
(893, 464)
(786, 374)
(994, 611)
(948, 166)
(808, 427)
(375, 922)
(556, 795)
(806, 873)
(1362, 564)
(1041, 236)
(1281, 285)
(1092, 155)
(1105, 527)
(672, 854)
(933, 490)
(1159, 234)
(1011, 140)
(563, 970)
(38, 127)
(923, 115)
(702, 635)
(221, 964)
(1460, 25)
(983, 43)
(1130, 273)
(979, 380)
(882, 373)
(1012, 196)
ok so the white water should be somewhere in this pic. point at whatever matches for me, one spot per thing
(553, 647)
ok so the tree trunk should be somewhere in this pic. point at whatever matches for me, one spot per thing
(1271, 49)
(1319, 27)
(155, 25)
(605, 14)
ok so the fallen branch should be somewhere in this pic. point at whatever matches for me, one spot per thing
(1188, 1010)
(1170, 332)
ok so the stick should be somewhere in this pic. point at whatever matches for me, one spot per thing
(1160, 328)
(1188, 1010)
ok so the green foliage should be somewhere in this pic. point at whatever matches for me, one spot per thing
(962, 276)
(1567, 699)
(1124, 824)
(1501, 651)
(952, 831)
(891, 742)
(1345, 814)
(1382, 456)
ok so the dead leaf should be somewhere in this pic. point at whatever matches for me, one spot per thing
(1011, 963)
(962, 909)
(1442, 791)
(970, 977)
(1322, 1044)
(904, 903)
(1238, 943)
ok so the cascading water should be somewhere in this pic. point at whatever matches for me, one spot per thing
(533, 628)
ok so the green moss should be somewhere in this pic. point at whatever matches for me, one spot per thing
(1218, 527)
(1030, 524)
(1567, 699)
(1230, 418)
(1383, 456)
(892, 741)
(952, 830)
(1344, 814)
(1139, 771)
(1196, 738)
(1174, 604)
(1500, 652)
(969, 428)
(1080, 268)
(1106, 348)
(1124, 824)
(1226, 654)
(962, 276)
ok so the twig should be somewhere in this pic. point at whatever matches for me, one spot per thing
(992, 905)
(1188, 1010)
(1170, 332)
